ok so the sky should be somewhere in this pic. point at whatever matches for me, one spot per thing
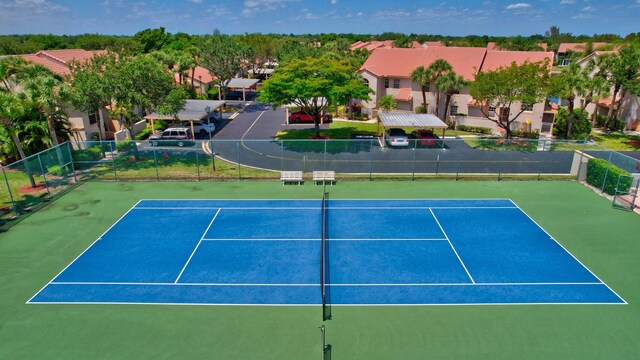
(457, 18)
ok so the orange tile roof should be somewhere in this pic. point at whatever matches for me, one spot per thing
(433, 43)
(578, 47)
(58, 60)
(404, 94)
(386, 44)
(497, 59)
(202, 75)
(401, 62)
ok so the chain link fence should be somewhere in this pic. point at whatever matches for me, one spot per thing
(34, 180)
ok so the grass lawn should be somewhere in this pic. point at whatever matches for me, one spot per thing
(33, 251)
(617, 141)
(343, 129)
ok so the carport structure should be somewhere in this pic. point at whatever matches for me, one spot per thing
(194, 110)
(401, 119)
(240, 83)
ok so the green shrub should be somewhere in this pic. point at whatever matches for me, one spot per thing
(597, 171)
(91, 154)
(419, 109)
(580, 127)
(144, 133)
(342, 111)
(124, 146)
(475, 129)
(535, 134)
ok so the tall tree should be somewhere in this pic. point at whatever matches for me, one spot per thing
(595, 84)
(47, 93)
(387, 102)
(439, 68)
(504, 88)
(624, 76)
(13, 107)
(223, 57)
(450, 84)
(91, 86)
(142, 83)
(567, 86)
(9, 67)
(422, 76)
(312, 84)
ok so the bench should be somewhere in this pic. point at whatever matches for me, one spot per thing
(324, 177)
(291, 176)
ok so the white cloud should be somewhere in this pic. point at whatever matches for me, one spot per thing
(37, 6)
(568, 2)
(196, 1)
(588, 8)
(253, 7)
(518, 6)
(333, 2)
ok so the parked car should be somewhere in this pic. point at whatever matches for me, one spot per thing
(203, 127)
(302, 117)
(397, 137)
(425, 137)
(236, 95)
(179, 136)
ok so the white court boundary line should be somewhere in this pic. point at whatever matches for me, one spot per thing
(85, 250)
(197, 246)
(568, 252)
(307, 305)
(89, 283)
(319, 239)
(452, 247)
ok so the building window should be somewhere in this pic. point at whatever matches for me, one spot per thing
(454, 110)
(396, 83)
(386, 83)
(366, 82)
(427, 87)
(492, 111)
(92, 118)
(527, 107)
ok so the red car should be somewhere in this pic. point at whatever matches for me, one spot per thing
(425, 137)
(302, 117)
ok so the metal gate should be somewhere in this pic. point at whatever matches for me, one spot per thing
(626, 196)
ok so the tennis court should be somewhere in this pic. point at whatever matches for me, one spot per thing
(376, 252)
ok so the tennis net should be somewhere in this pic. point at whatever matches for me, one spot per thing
(326, 310)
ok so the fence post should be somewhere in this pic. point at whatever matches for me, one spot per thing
(324, 159)
(238, 150)
(6, 181)
(213, 156)
(371, 160)
(282, 155)
(437, 164)
(413, 170)
(500, 160)
(584, 146)
(73, 167)
(155, 163)
(113, 158)
(44, 176)
(606, 173)
(198, 165)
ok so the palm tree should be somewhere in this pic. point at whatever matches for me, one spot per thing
(10, 66)
(439, 68)
(47, 92)
(450, 83)
(595, 85)
(387, 102)
(422, 76)
(572, 80)
(624, 75)
(12, 108)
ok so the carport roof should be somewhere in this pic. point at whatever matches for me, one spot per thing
(193, 110)
(408, 119)
(242, 83)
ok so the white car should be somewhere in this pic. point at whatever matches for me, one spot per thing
(203, 127)
(397, 137)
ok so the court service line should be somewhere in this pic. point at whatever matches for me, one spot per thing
(332, 208)
(85, 250)
(452, 247)
(318, 239)
(568, 252)
(196, 248)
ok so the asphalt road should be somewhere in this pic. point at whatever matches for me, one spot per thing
(249, 139)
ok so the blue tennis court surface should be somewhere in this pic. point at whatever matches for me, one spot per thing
(378, 252)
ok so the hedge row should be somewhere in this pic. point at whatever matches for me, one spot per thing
(475, 129)
(597, 175)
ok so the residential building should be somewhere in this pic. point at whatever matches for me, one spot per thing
(386, 44)
(628, 107)
(59, 61)
(563, 56)
(387, 72)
